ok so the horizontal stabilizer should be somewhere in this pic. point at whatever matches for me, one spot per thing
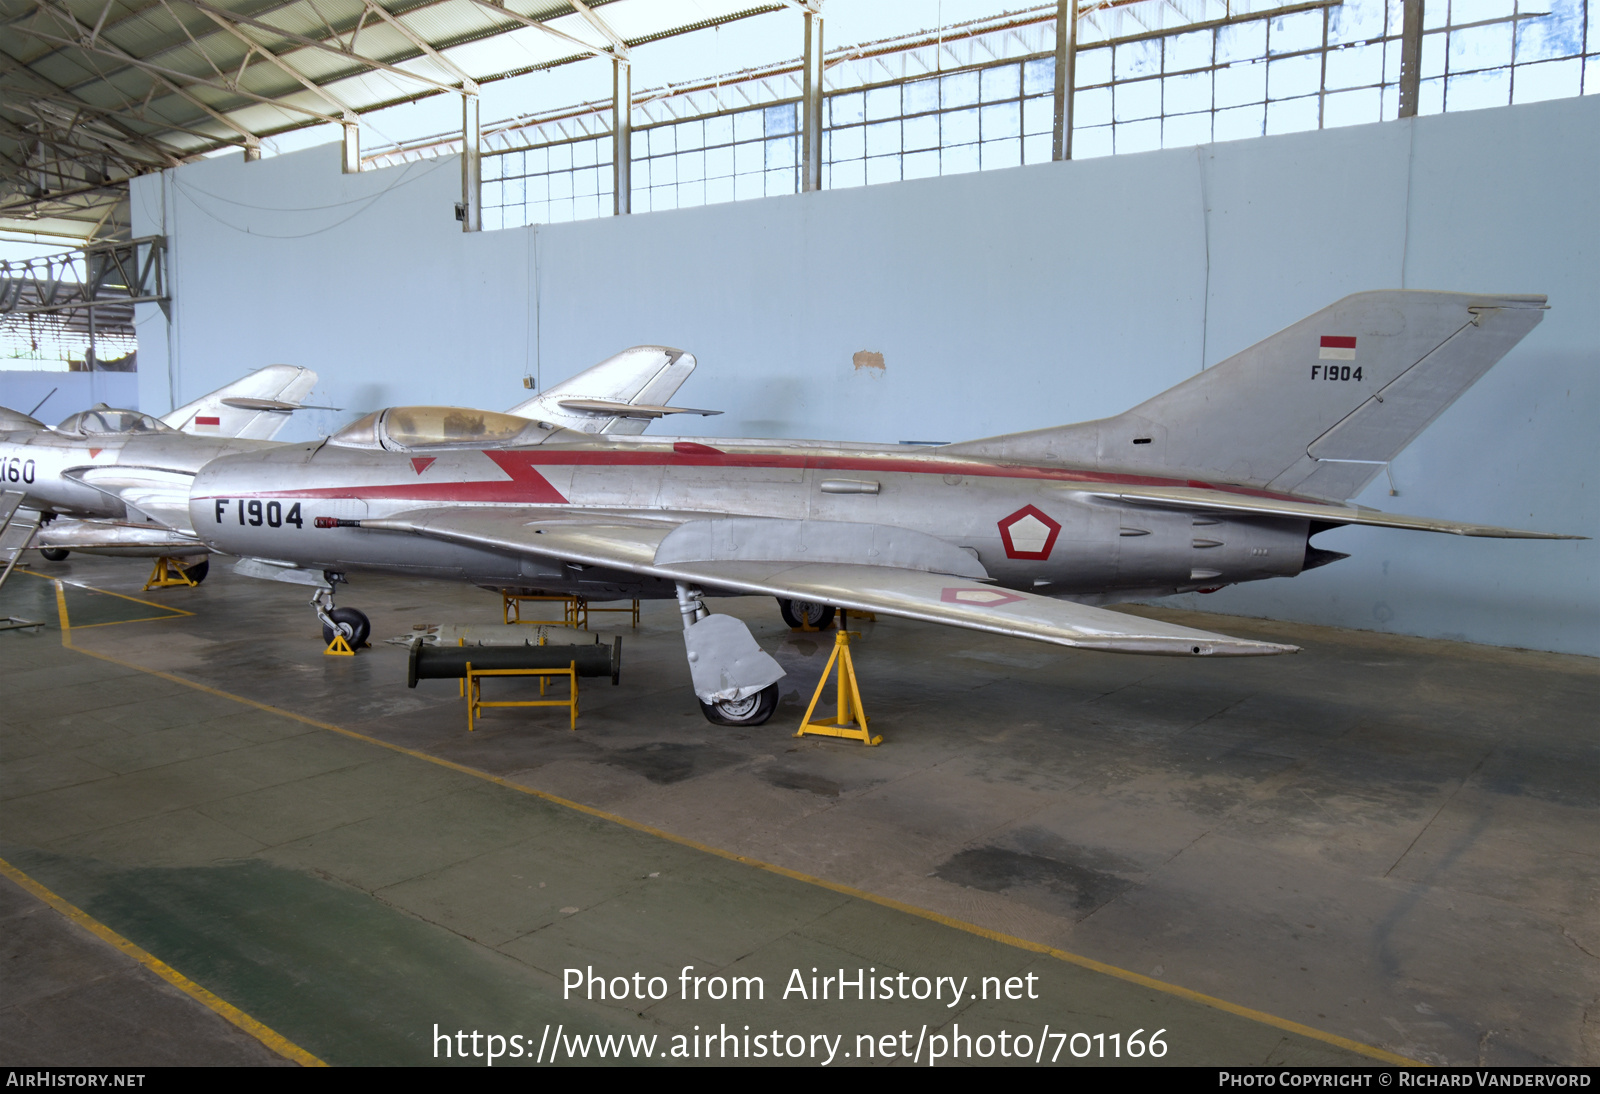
(605, 408)
(1224, 501)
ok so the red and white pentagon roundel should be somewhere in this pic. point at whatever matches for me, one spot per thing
(1029, 534)
(983, 598)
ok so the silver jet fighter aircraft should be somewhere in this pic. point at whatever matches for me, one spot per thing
(121, 478)
(116, 482)
(1222, 479)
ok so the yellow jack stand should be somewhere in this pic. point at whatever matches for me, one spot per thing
(168, 573)
(852, 718)
(339, 647)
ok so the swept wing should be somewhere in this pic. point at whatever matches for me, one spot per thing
(909, 589)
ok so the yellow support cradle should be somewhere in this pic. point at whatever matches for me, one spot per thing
(169, 572)
(851, 721)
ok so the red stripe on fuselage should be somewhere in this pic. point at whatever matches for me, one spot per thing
(528, 487)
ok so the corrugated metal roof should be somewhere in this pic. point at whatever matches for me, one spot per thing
(92, 94)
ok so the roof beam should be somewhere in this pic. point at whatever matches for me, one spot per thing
(273, 59)
(160, 72)
(618, 46)
(315, 43)
(468, 84)
(156, 72)
(499, 9)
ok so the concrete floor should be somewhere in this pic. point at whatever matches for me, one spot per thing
(1392, 842)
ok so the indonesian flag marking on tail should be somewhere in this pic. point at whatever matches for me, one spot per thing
(205, 424)
(1337, 347)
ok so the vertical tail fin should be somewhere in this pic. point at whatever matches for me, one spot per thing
(1316, 409)
(642, 376)
(256, 406)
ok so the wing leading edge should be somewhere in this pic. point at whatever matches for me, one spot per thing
(633, 546)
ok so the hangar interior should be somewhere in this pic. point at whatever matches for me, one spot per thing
(868, 223)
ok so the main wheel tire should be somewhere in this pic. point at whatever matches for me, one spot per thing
(806, 613)
(752, 710)
(360, 627)
(54, 554)
(197, 572)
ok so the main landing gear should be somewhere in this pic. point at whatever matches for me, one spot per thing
(346, 624)
(805, 615)
(734, 679)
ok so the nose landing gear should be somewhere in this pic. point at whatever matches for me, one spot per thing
(340, 626)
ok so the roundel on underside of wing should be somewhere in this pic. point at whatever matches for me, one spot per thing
(1029, 534)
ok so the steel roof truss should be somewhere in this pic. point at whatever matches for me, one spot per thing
(317, 43)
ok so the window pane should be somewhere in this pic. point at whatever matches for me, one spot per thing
(921, 96)
(1184, 51)
(853, 173)
(1039, 115)
(1294, 76)
(1092, 142)
(1091, 108)
(845, 109)
(1000, 83)
(1293, 33)
(1137, 100)
(1185, 94)
(1351, 108)
(1356, 66)
(1559, 34)
(958, 127)
(921, 132)
(1138, 59)
(1292, 115)
(883, 138)
(1478, 89)
(1550, 80)
(779, 120)
(883, 169)
(1093, 67)
(960, 89)
(1240, 84)
(1239, 123)
(1138, 136)
(998, 154)
(956, 161)
(1185, 130)
(919, 165)
(1001, 121)
(1480, 47)
(1241, 41)
(883, 102)
(1039, 76)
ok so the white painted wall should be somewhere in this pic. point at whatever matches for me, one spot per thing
(1000, 301)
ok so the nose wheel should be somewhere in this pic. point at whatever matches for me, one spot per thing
(346, 625)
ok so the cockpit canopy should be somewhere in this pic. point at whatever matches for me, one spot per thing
(109, 420)
(403, 428)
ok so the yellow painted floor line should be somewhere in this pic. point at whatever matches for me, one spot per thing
(273, 1040)
(107, 592)
(888, 902)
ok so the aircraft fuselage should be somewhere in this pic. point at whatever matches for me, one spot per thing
(1036, 528)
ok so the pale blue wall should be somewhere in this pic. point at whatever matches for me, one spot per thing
(1000, 301)
(66, 393)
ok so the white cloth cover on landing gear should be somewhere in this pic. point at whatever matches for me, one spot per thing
(725, 661)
